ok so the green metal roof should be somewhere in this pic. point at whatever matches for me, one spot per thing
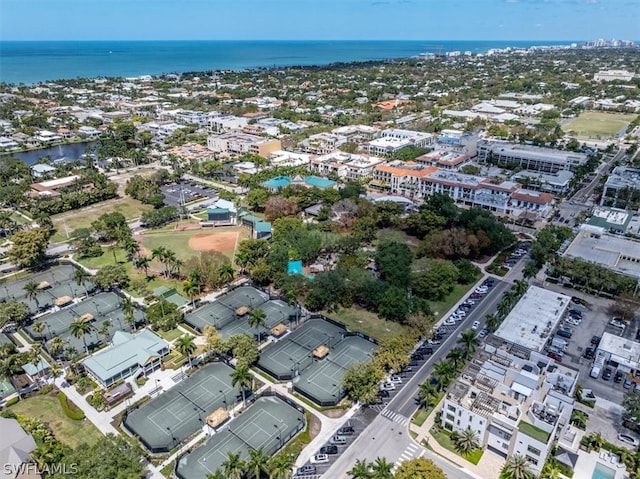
(263, 227)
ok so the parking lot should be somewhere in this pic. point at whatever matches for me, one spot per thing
(181, 193)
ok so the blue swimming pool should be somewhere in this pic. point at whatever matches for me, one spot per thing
(603, 472)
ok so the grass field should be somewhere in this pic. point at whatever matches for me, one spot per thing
(445, 441)
(440, 307)
(178, 241)
(66, 430)
(597, 125)
(82, 218)
(358, 319)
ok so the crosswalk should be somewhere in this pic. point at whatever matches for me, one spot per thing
(412, 451)
(395, 417)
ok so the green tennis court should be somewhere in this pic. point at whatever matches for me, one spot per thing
(322, 380)
(168, 419)
(269, 423)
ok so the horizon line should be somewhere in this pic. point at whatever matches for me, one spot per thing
(308, 40)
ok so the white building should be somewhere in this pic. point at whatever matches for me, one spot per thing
(225, 123)
(547, 160)
(513, 405)
(395, 139)
(612, 75)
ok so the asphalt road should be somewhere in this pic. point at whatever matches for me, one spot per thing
(387, 435)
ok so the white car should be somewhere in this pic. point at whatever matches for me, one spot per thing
(628, 439)
(460, 312)
(481, 289)
(451, 320)
(618, 323)
(319, 459)
(475, 325)
(575, 322)
(395, 379)
(387, 386)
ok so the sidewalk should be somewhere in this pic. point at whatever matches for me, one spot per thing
(489, 466)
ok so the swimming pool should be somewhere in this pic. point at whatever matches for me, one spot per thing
(603, 472)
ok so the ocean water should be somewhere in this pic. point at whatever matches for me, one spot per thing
(33, 62)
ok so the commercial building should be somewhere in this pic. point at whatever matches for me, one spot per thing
(611, 220)
(513, 405)
(617, 253)
(400, 177)
(619, 352)
(393, 140)
(557, 183)
(621, 183)
(445, 159)
(129, 355)
(531, 322)
(547, 160)
(613, 75)
(236, 143)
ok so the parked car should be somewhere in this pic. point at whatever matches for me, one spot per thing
(387, 386)
(589, 353)
(346, 431)
(565, 332)
(304, 470)
(573, 321)
(338, 439)
(320, 458)
(329, 449)
(555, 356)
(383, 393)
(395, 379)
(627, 383)
(475, 325)
(595, 340)
(618, 323)
(618, 377)
(628, 439)
(606, 374)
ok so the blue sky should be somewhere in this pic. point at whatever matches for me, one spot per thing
(319, 19)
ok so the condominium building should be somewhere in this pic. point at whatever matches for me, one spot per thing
(322, 143)
(513, 405)
(622, 181)
(400, 177)
(346, 165)
(236, 143)
(445, 159)
(612, 75)
(393, 140)
(547, 160)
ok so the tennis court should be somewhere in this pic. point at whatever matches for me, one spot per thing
(269, 423)
(294, 352)
(98, 310)
(322, 380)
(170, 418)
(54, 283)
(229, 314)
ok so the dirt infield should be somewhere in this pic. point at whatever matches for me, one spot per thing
(224, 242)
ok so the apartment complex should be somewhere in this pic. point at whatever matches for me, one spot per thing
(347, 166)
(622, 181)
(237, 143)
(513, 405)
(526, 157)
(393, 140)
(613, 75)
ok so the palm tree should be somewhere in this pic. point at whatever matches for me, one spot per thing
(467, 441)
(191, 289)
(381, 469)
(142, 262)
(280, 466)
(128, 308)
(493, 321)
(104, 329)
(469, 342)
(55, 370)
(517, 467)
(455, 356)
(8, 364)
(520, 287)
(242, 378)
(56, 345)
(158, 254)
(511, 298)
(168, 259)
(233, 466)
(257, 319)
(31, 292)
(360, 470)
(550, 471)
(226, 273)
(34, 357)
(444, 371)
(503, 308)
(529, 271)
(218, 474)
(79, 329)
(258, 463)
(37, 327)
(186, 346)
(81, 276)
(132, 248)
(427, 394)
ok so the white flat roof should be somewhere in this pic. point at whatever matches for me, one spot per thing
(611, 251)
(531, 322)
(623, 351)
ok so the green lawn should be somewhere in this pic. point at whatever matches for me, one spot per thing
(445, 441)
(169, 335)
(66, 430)
(598, 125)
(440, 307)
(83, 217)
(533, 431)
(361, 320)
(420, 417)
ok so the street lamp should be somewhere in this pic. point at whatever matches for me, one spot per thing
(158, 386)
(225, 399)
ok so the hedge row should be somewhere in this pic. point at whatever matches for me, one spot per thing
(70, 410)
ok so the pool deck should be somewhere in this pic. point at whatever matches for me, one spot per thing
(587, 463)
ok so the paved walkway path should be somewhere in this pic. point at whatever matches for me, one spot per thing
(489, 466)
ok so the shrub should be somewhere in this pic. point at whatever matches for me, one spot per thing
(70, 409)
(12, 401)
